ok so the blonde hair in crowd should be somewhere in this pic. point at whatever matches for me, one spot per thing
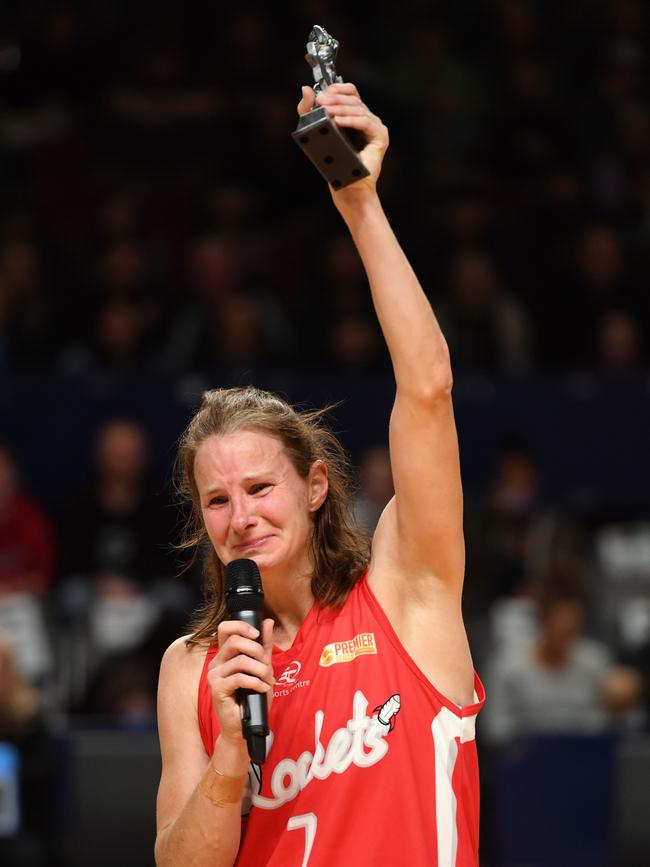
(19, 701)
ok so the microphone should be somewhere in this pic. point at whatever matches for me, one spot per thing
(244, 601)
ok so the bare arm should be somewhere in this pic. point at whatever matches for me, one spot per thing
(428, 509)
(192, 828)
(418, 551)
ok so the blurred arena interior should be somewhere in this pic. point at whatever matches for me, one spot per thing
(160, 234)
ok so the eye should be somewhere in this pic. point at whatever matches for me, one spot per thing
(217, 501)
(259, 487)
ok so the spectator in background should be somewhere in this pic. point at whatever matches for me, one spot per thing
(20, 703)
(125, 269)
(122, 689)
(212, 272)
(343, 286)
(157, 114)
(22, 725)
(375, 486)
(128, 270)
(121, 295)
(339, 290)
(597, 282)
(118, 340)
(244, 330)
(27, 303)
(469, 214)
(117, 570)
(115, 532)
(637, 663)
(498, 528)
(531, 133)
(355, 341)
(28, 562)
(618, 344)
(224, 315)
(562, 682)
(214, 268)
(28, 544)
(486, 326)
(7, 323)
(237, 334)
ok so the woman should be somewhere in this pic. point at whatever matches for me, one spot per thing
(371, 757)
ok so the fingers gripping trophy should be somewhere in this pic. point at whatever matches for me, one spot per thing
(332, 149)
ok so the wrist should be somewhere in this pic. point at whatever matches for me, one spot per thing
(360, 211)
(357, 195)
(223, 790)
(230, 757)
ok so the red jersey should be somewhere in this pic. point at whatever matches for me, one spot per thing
(367, 763)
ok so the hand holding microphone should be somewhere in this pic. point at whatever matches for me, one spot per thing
(241, 674)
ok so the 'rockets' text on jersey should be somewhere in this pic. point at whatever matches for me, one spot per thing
(367, 763)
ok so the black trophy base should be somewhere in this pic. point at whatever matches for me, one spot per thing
(329, 148)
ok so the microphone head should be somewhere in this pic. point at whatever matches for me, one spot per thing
(242, 578)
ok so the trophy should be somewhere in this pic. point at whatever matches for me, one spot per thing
(334, 151)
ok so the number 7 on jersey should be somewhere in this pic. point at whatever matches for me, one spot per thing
(308, 821)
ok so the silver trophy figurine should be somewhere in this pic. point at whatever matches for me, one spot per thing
(334, 151)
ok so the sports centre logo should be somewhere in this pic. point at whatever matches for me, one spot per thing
(291, 672)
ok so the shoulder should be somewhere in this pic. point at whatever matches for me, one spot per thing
(181, 654)
(182, 664)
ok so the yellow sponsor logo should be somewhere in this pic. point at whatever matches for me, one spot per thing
(346, 651)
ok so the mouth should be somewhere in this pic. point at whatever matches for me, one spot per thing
(252, 544)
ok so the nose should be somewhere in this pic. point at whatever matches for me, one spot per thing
(242, 515)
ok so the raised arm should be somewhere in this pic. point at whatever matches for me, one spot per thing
(418, 551)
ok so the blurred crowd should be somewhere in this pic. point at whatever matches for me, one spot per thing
(155, 216)
(155, 212)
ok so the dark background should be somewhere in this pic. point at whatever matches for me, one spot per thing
(160, 234)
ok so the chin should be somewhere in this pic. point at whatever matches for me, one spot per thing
(266, 562)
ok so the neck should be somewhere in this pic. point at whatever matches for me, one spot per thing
(288, 602)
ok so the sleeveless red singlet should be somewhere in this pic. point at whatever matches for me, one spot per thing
(367, 763)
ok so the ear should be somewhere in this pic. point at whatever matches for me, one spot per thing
(318, 485)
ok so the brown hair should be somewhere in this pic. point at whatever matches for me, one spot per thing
(340, 548)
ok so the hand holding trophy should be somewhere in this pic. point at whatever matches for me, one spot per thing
(338, 133)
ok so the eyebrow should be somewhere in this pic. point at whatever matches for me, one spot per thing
(253, 477)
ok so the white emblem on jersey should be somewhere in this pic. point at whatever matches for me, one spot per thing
(361, 743)
(291, 672)
(388, 711)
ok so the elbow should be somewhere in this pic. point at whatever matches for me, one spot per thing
(442, 382)
(438, 384)
(428, 378)
(428, 392)
(441, 379)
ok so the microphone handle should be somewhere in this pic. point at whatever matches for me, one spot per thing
(255, 724)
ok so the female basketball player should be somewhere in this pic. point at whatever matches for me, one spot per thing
(371, 756)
